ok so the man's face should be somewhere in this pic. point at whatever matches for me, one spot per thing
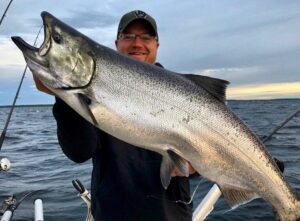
(138, 48)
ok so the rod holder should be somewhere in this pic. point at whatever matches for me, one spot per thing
(207, 204)
(7, 215)
(38, 210)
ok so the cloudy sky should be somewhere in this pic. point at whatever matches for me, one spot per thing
(253, 44)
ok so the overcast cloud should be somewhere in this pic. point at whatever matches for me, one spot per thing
(245, 42)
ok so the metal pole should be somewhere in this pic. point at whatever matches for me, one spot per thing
(207, 204)
(5, 11)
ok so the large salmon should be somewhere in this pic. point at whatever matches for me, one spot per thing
(182, 117)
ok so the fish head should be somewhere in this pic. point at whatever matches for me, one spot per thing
(65, 60)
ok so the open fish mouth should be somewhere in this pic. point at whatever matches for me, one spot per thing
(36, 58)
(46, 45)
(38, 64)
(31, 53)
(35, 55)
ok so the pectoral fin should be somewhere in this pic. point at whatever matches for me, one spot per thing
(85, 102)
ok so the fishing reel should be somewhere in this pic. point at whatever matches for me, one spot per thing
(4, 164)
(86, 196)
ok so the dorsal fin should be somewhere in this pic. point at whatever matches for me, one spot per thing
(216, 87)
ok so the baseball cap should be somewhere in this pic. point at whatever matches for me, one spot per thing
(136, 15)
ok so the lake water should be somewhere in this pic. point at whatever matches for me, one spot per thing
(39, 164)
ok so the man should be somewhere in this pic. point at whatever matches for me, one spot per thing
(125, 179)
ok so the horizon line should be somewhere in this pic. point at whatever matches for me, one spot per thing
(263, 99)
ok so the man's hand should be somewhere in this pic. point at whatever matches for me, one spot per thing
(176, 172)
(39, 85)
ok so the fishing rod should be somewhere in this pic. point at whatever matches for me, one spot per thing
(2, 137)
(265, 139)
(207, 204)
(5, 12)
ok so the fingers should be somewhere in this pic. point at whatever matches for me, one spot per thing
(176, 172)
(39, 85)
(191, 169)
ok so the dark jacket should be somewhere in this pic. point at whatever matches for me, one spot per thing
(125, 179)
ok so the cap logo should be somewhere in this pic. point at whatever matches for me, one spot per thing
(140, 14)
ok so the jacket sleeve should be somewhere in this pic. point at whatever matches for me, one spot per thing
(76, 136)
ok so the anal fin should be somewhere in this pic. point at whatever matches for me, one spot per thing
(239, 197)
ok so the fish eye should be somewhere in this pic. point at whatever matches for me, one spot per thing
(57, 38)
